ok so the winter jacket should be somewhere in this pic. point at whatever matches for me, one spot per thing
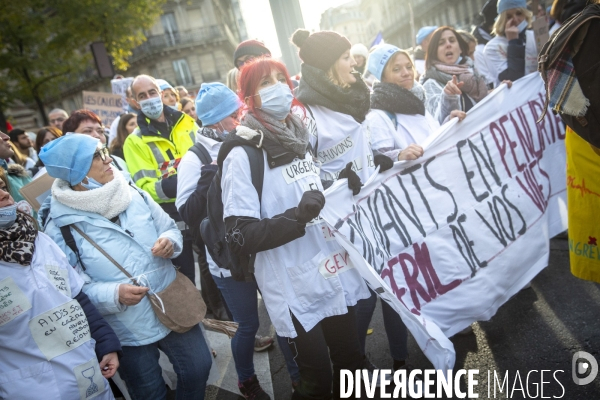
(129, 242)
(152, 157)
(37, 300)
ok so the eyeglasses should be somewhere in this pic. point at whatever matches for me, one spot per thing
(102, 153)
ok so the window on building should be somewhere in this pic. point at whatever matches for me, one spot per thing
(170, 27)
(183, 75)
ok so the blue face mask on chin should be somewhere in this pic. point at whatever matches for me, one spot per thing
(522, 26)
(8, 216)
(92, 184)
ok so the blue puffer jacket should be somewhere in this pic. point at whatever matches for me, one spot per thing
(129, 243)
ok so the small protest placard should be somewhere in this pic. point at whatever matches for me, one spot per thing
(107, 106)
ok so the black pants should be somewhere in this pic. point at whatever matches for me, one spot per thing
(185, 261)
(334, 337)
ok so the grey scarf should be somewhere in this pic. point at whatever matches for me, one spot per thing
(291, 135)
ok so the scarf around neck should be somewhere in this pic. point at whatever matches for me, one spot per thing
(291, 135)
(212, 134)
(315, 88)
(393, 98)
(109, 201)
(17, 243)
(474, 84)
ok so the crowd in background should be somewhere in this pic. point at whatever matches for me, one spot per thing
(137, 195)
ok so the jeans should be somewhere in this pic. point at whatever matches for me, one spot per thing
(394, 327)
(242, 302)
(332, 340)
(191, 361)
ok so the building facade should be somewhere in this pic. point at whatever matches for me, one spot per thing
(361, 20)
(192, 42)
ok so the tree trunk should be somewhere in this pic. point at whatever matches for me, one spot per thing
(41, 108)
(3, 126)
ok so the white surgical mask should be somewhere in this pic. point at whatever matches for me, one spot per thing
(522, 26)
(152, 107)
(173, 107)
(276, 100)
(8, 216)
(92, 184)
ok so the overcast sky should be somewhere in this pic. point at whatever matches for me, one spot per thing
(260, 25)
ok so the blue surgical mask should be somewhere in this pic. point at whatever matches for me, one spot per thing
(8, 216)
(276, 100)
(92, 184)
(522, 26)
(152, 107)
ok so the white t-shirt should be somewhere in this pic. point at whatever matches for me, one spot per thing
(311, 276)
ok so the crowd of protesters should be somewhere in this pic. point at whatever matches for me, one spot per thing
(136, 197)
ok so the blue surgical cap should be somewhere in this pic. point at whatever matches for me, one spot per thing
(504, 5)
(424, 32)
(379, 57)
(162, 84)
(215, 102)
(69, 157)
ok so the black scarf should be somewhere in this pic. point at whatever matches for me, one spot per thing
(316, 89)
(17, 243)
(393, 98)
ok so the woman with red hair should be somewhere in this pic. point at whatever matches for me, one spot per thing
(310, 301)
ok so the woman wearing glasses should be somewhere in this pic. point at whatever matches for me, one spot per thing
(93, 197)
(88, 123)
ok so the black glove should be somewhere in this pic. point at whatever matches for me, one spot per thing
(354, 182)
(311, 204)
(383, 162)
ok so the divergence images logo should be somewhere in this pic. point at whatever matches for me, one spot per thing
(584, 364)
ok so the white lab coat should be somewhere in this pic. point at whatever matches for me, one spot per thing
(311, 276)
(496, 55)
(46, 350)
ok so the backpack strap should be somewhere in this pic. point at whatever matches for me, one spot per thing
(70, 241)
(200, 151)
(257, 167)
(391, 116)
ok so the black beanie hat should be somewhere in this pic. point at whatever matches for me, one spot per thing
(320, 49)
(14, 134)
(250, 47)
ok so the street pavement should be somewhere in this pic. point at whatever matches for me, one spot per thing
(540, 328)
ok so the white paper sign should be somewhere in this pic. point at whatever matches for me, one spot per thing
(61, 329)
(13, 301)
(448, 238)
(59, 277)
(89, 379)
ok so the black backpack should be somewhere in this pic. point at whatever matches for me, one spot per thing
(200, 151)
(212, 227)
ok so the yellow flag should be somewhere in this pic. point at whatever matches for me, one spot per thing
(583, 195)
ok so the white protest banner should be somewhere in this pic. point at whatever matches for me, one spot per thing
(450, 237)
(107, 106)
(119, 86)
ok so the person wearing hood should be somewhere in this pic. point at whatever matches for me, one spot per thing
(153, 152)
(37, 283)
(451, 82)
(91, 198)
(512, 53)
(423, 38)
(360, 53)
(311, 305)
(337, 101)
(483, 34)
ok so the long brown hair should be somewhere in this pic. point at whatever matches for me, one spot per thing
(122, 132)
(431, 54)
